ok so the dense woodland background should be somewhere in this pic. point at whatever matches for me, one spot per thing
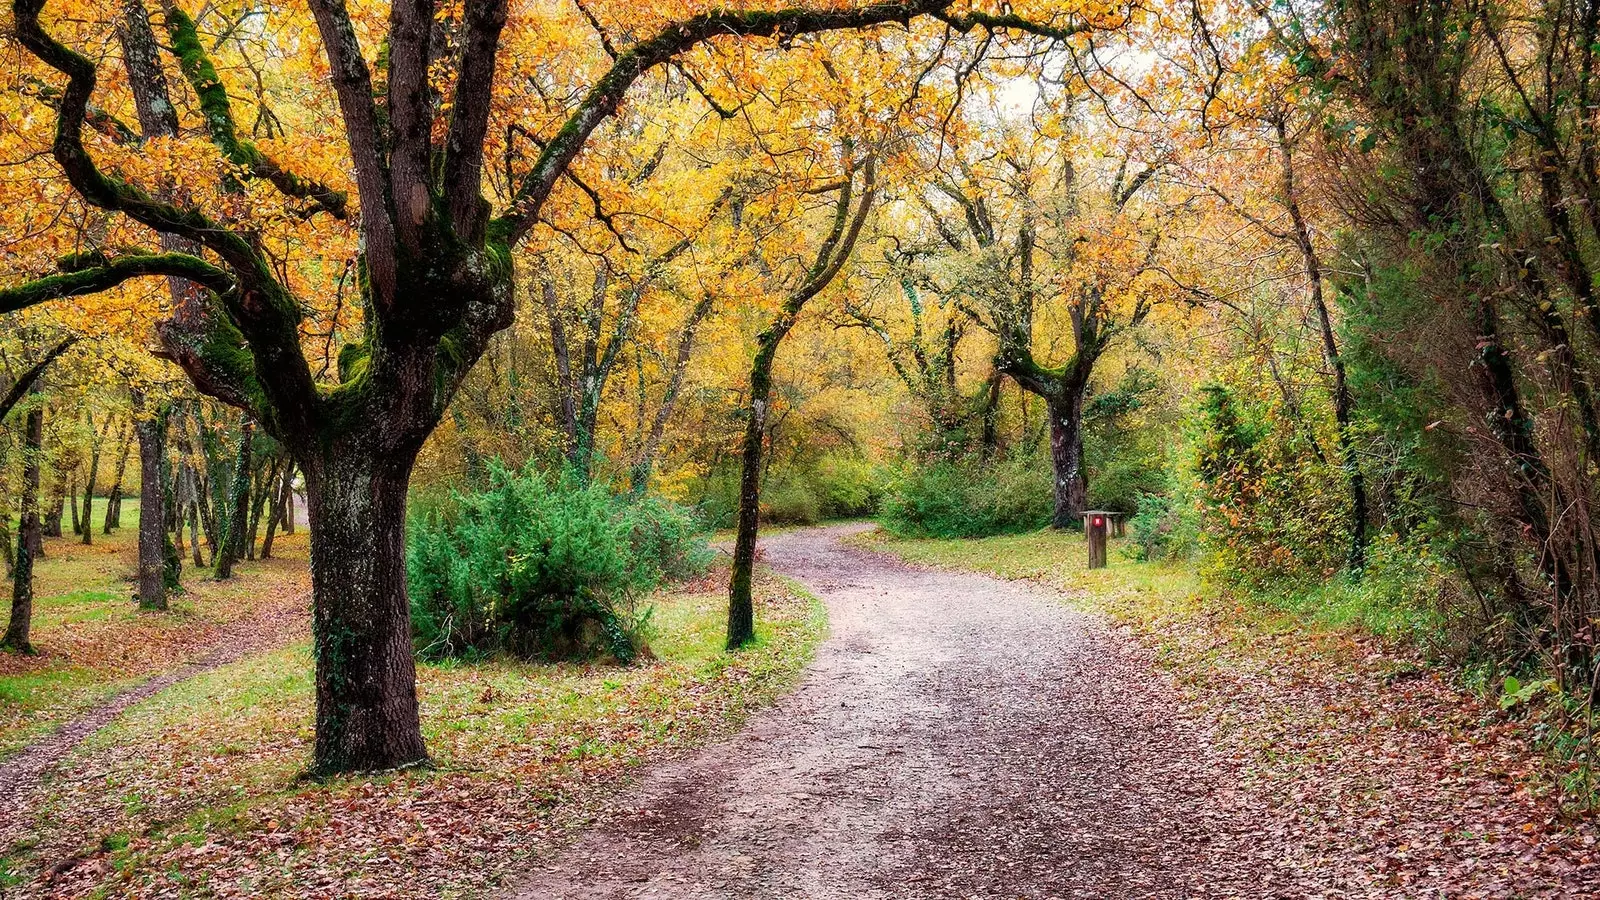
(1304, 289)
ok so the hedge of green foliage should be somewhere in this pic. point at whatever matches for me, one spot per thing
(969, 497)
(539, 566)
(836, 486)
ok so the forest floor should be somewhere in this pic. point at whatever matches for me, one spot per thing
(1074, 734)
(193, 784)
(987, 720)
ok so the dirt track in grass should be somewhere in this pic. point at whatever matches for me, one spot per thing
(275, 626)
(957, 736)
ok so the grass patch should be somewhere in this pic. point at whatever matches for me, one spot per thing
(199, 790)
(93, 640)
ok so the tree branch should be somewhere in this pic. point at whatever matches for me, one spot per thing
(352, 84)
(20, 389)
(108, 273)
(469, 119)
(604, 98)
(197, 68)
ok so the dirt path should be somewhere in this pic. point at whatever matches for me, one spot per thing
(958, 736)
(21, 773)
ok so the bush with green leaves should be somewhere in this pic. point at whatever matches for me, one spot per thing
(847, 486)
(539, 566)
(969, 497)
(1165, 527)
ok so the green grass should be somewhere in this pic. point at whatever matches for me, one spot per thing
(1128, 590)
(218, 761)
(93, 640)
(1194, 627)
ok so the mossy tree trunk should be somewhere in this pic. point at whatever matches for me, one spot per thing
(19, 630)
(366, 698)
(831, 257)
(233, 543)
(1071, 484)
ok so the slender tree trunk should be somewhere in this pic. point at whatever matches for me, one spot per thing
(172, 528)
(238, 507)
(367, 714)
(288, 503)
(71, 500)
(645, 463)
(114, 497)
(1343, 399)
(17, 636)
(741, 602)
(265, 483)
(152, 435)
(94, 475)
(192, 508)
(279, 494)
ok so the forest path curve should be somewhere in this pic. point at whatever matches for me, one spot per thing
(957, 736)
(24, 770)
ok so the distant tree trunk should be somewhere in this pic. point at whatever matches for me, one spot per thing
(57, 506)
(17, 636)
(72, 495)
(644, 464)
(189, 482)
(152, 435)
(114, 497)
(94, 475)
(266, 483)
(1066, 457)
(172, 533)
(280, 492)
(238, 507)
(288, 503)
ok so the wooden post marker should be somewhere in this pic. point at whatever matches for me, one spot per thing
(1095, 523)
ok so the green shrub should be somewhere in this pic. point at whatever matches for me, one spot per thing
(789, 500)
(969, 497)
(1163, 528)
(537, 566)
(847, 486)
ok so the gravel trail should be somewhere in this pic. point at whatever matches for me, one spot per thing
(957, 736)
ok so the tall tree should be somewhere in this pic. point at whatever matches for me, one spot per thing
(435, 274)
(19, 628)
(849, 217)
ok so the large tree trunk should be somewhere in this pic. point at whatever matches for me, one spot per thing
(152, 433)
(367, 714)
(1066, 457)
(18, 630)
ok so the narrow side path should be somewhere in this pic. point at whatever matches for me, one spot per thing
(22, 772)
(958, 736)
